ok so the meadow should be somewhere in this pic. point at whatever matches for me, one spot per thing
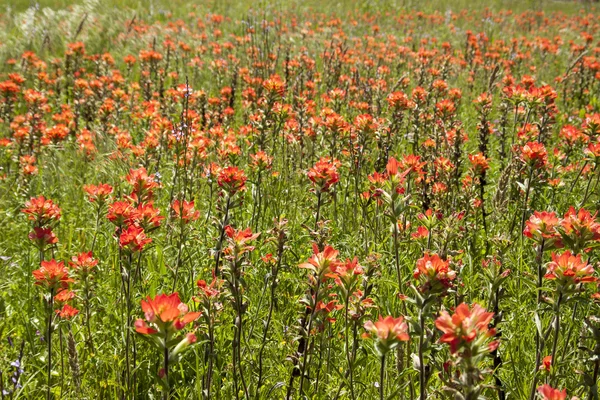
(299, 200)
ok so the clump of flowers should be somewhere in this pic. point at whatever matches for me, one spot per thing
(470, 339)
(44, 214)
(165, 316)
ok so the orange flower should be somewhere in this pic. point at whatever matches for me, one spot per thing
(345, 273)
(239, 238)
(232, 179)
(261, 160)
(67, 312)
(98, 193)
(64, 295)
(578, 228)
(549, 393)
(120, 212)
(83, 262)
(321, 261)
(479, 163)
(434, 273)
(324, 174)
(185, 210)
(467, 327)
(147, 216)
(42, 237)
(134, 239)
(541, 227)
(142, 183)
(388, 332)
(165, 313)
(546, 363)
(534, 154)
(569, 269)
(41, 210)
(52, 275)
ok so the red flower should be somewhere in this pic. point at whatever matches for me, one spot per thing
(232, 180)
(239, 238)
(434, 273)
(344, 273)
(98, 193)
(321, 261)
(324, 174)
(185, 210)
(147, 216)
(261, 160)
(541, 226)
(165, 313)
(52, 274)
(534, 154)
(479, 163)
(388, 332)
(569, 269)
(83, 262)
(549, 393)
(579, 227)
(41, 210)
(546, 363)
(466, 326)
(120, 212)
(142, 183)
(43, 237)
(67, 312)
(64, 295)
(134, 239)
(208, 290)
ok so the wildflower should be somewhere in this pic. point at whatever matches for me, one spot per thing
(83, 262)
(147, 216)
(67, 312)
(388, 332)
(541, 227)
(434, 274)
(577, 228)
(165, 313)
(232, 180)
(98, 193)
(547, 392)
(467, 328)
(479, 163)
(42, 237)
(52, 274)
(64, 295)
(324, 174)
(120, 212)
(261, 160)
(534, 154)
(321, 261)
(42, 211)
(345, 273)
(546, 363)
(142, 183)
(134, 239)
(239, 238)
(209, 291)
(569, 269)
(185, 210)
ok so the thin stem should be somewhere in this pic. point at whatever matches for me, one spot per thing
(381, 377)
(49, 342)
(556, 332)
(166, 367)
(306, 349)
(422, 377)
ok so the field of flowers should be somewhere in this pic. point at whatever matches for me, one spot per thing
(299, 203)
